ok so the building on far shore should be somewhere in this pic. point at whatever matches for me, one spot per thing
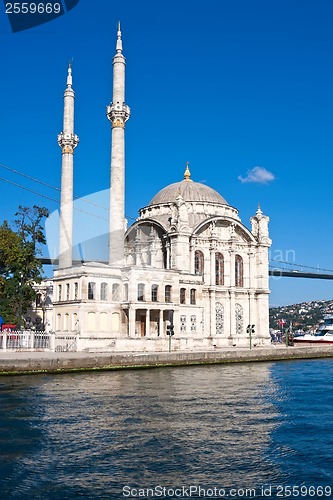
(188, 262)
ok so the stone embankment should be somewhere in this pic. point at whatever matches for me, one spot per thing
(23, 362)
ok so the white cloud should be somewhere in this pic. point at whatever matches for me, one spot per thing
(259, 175)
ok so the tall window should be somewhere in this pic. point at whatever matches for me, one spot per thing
(193, 296)
(115, 292)
(104, 291)
(141, 292)
(59, 293)
(91, 290)
(76, 291)
(125, 291)
(239, 280)
(239, 318)
(168, 293)
(219, 312)
(198, 262)
(38, 300)
(182, 297)
(66, 322)
(154, 289)
(219, 269)
(67, 294)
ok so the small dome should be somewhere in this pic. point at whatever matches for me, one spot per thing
(189, 191)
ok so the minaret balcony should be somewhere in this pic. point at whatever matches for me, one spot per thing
(118, 114)
(68, 142)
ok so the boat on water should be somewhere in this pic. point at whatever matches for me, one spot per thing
(324, 334)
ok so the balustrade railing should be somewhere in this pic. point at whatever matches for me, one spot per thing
(28, 340)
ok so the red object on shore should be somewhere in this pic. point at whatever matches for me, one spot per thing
(10, 327)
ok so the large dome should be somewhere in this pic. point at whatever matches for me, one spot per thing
(189, 191)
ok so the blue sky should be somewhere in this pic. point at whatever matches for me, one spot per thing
(226, 85)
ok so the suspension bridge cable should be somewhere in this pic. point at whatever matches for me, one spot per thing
(300, 265)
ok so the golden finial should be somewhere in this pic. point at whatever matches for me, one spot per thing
(187, 173)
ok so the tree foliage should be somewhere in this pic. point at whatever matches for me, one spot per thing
(19, 267)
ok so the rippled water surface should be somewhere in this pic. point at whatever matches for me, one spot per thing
(233, 426)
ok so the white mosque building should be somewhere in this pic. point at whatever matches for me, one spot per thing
(188, 264)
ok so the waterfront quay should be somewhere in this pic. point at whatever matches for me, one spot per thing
(24, 362)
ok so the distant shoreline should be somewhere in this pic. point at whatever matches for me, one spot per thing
(24, 362)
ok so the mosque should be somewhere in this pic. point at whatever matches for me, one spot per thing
(188, 266)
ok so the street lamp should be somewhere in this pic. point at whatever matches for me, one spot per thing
(170, 328)
(250, 330)
(20, 301)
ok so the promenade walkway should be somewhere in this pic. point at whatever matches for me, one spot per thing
(20, 362)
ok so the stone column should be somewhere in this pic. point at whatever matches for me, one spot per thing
(232, 314)
(131, 321)
(212, 299)
(161, 324)
(147, 332)
(212, 266)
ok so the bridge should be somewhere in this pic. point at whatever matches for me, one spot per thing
(275, 269)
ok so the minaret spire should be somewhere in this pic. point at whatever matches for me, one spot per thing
(69, 75)
(119, 46)
(68, 141)
(118, 113)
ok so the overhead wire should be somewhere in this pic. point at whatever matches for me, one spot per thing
(34, 179)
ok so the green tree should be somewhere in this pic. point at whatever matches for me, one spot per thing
(20, 268)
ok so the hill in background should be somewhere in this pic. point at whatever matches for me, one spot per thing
(304, 316)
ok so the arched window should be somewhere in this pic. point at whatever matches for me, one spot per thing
(193, 296)
(91, 290)
(219, 269)
(154, 290)
(115, 292)
(103, 321)
(75, 322)
(66, 322)
(91, 321)
(168, 293)
(58, 322)
(239, 280)
(115, 322)
(38, 300)
(104, 291)
(141, 292)
(125, 291)
(198, 262)
(182, 296)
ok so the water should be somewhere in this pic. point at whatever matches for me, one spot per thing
(230, 427)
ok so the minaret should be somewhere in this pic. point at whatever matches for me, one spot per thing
(68, 141)
(118, 114)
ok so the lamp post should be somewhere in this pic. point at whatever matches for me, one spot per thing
(20, 301)
(170, 328)
(250, 330)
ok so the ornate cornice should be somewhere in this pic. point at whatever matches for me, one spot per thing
(68, 142)
(118, 114)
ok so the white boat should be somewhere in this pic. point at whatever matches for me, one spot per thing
(324, 334)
